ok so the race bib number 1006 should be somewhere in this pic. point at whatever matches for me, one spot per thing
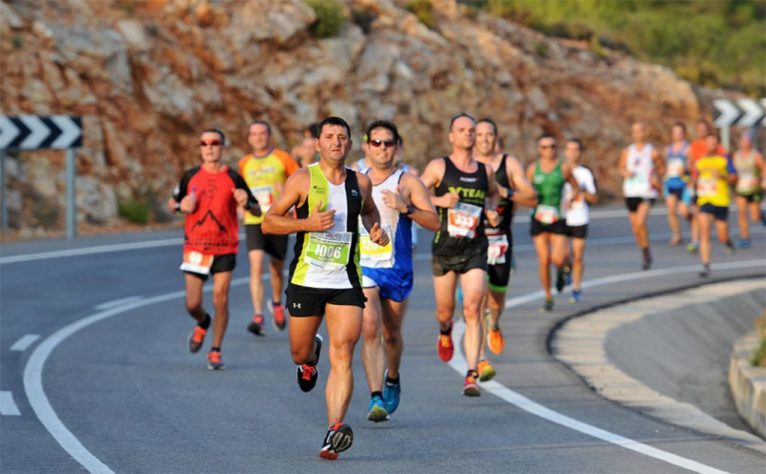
(328, 250)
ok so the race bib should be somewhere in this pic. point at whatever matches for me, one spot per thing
(747, 182)
(328, 250)
(707, 187)
(197, 262)
(675, 168)
(372, 254)
(498, 246)
(463, 220)
(264, 196)
(546, 214)
(636, 185)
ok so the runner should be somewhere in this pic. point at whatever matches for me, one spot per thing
(548, 175)
(463, 187)
(715, 172)
(750, 170)
(325, 276)
(265, 171)
(363, 164)
(677, 195)
(210, 194)
(641, 167)
(577, 211)
(305, 152)
(697, 149)
(513, 188)
(401, 200)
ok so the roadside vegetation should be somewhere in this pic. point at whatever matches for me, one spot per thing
(759, 358)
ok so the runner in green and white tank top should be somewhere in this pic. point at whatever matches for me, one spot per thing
(750, 167)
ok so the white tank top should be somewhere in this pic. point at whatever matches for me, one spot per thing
(639, 163)
(373, 255)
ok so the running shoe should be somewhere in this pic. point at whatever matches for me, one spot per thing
(647, 260)
(376, 410)
(339, 438)
(560, 280)
(693, 247)
(214, 361)
(391, 394)
(256, 325)
(470, 386)
(486, 371)
(730, 249)
(196, 338)
(444, 345)
(705, 273)
(547, 307)
(495, 339)
(278, 313)
(308, 373)
(744, 243)
(576, 296)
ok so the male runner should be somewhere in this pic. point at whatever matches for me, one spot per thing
(641, 166)
(677, 195)
(513, 188)
(697, 149)
(325, 275)
(548, 228)
(465, 191)
(577, 211)
(265, 171)
(715, 172)
(210, 194)
(750, 170)
(387, 271)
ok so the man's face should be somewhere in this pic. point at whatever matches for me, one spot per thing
(210, 147)
(381, 148)
(462, 135)
(334, 143)
(745, 141)
(637, 132)
(677, 133)
(711, 141)
(259, 137)
(572, 152)
(701, 130)
(547, 147)
(485, 138)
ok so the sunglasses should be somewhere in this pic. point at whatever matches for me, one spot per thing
(203, 143)
(547, 147)
(384, 143)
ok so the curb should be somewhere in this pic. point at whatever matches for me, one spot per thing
(748, 383)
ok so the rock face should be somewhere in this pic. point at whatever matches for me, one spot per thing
(148, 75)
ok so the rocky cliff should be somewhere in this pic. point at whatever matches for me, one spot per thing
(148, 75)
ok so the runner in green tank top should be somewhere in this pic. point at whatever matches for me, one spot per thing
(749, 190)
(325, 273)
(548, 228)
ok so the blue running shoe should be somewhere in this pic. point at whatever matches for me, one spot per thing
(744, 243)
(391, 392)
(377, 412)
(576, 296)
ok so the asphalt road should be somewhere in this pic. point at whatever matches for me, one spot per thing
(109, 385)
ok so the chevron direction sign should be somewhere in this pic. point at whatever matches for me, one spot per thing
(742, 112)
(33, 132)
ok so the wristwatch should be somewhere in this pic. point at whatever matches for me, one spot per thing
(410, 210)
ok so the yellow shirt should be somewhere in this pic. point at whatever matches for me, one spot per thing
(265, 176)
(712, 189)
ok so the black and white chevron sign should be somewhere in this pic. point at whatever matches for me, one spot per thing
(33, 132)
(742, 113)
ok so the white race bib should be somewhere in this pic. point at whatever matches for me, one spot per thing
(372, 254)
(264, 195)
(498, 246)
(546, 214)
(707, 187)
(197, 262)
(675, 168)
(463, 220)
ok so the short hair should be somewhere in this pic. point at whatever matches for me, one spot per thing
(457, 116)
(332, 120)
(489, 121)
(215, 130)
(313, 129)
(578, 142)
(545, 135)
(387, 124)
(262, 122)
(679, 125)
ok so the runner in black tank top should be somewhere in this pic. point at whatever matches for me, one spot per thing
(463, 187)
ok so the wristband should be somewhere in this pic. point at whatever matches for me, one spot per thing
(410, 209)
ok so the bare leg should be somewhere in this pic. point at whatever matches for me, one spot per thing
(256, 258)
(373, 357)
(194, 297)
(344, 325)
(474, 284)
(578, 251)
(675, 226)
(444, 290)
(393, 317)
(301, 332)
(221, 283)
(704, 230)
(744, 227)
(542, 246)
(275, 268)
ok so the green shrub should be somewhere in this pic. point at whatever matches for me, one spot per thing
(134, 210)
(423, 10)
(330, 18)
(759, 358)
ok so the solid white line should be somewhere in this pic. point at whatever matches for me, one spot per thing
(24, 342)
(458, 363)
(113, 303)
(7, 405)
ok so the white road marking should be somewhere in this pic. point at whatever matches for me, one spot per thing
(24, 342)
(458, 363)
(7, 405)
(114, 303)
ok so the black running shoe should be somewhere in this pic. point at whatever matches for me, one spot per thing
(308, 373)
(560, 280)
(256, 325)
(339, 438)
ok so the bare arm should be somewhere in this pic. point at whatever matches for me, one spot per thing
(623, 164)
(492, 199)
(276, 220)
(370, 215)
(523, 192)
(412, 189)
(432, 177)
(566, 170)
(659, 167)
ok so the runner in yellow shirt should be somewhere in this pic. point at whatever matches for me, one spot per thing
(265, 171)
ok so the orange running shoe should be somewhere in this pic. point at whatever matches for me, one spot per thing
(471, 386)
(278, 312)
(214, 361)
(444, 345)
(486, 370)
(495, 340)
(196, 338)
(338, 439)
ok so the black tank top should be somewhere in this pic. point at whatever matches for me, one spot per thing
(505, 206)
(458, 232)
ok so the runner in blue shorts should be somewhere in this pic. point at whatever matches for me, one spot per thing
(675, 186)
(387, 271)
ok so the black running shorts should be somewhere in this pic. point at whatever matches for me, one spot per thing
(443, 264)
(536, 227)
(221, 263)
(274, 245)
(632, 203)
(720, 213)
(577, 231)
(306, 301)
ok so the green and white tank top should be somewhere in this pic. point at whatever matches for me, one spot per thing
(329, 259)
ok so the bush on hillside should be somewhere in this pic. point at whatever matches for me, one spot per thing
(330, 18)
